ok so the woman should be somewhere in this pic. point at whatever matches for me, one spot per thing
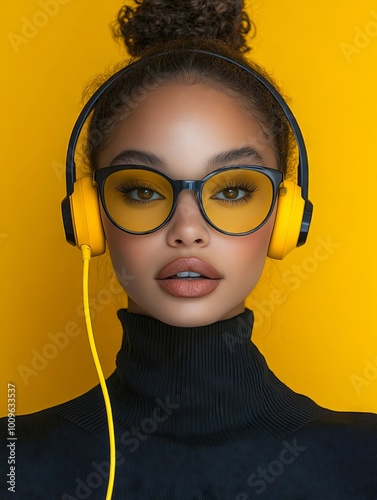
(197, 412)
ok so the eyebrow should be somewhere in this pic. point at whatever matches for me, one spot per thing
(216, 161)
(238, 154)
(135, 155)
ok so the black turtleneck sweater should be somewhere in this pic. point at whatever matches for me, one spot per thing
(198, 415)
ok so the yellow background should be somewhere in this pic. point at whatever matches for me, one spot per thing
(315, 310)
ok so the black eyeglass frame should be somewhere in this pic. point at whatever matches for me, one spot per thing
(276, 178)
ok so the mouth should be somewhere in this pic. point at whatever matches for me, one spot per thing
(188, 278)
(187, 275)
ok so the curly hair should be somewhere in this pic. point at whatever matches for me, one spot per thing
(159, 21)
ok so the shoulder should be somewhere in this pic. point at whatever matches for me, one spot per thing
(84, 414)
(54, 447)
(342, 437)
(356, 424)
(333, 456)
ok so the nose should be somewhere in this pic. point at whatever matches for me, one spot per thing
(188, 227)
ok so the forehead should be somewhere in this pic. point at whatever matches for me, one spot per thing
(185, 126)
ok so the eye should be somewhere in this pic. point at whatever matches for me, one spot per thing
(230, 193)
(235, 192)
(138, 193)
(144, 194)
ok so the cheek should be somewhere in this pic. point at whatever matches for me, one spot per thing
(253, 248)
(131, 255)
(120, 247)
(248, 259)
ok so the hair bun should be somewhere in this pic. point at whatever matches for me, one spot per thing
(155, 22)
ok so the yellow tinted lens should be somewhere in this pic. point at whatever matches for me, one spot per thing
(237, 201)
(138, 200)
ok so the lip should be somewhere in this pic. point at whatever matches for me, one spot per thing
(188, 288)
(193, 264)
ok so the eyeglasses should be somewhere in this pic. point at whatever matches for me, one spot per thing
(235, 200)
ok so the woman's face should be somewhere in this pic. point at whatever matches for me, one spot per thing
(190, 130)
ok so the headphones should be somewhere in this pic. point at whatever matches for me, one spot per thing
(80, 208)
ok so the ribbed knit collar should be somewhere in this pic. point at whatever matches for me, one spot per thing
(213, 377)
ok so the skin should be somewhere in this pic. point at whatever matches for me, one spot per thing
(186, 126)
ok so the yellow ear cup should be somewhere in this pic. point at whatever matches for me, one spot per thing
(86, 217)
(288, 220)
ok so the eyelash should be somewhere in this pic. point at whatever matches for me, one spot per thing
(127, 188)
(248, 187)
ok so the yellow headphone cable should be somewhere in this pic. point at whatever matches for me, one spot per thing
(86, 255)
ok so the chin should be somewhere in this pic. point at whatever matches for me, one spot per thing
(189, 321)
(189, 313)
